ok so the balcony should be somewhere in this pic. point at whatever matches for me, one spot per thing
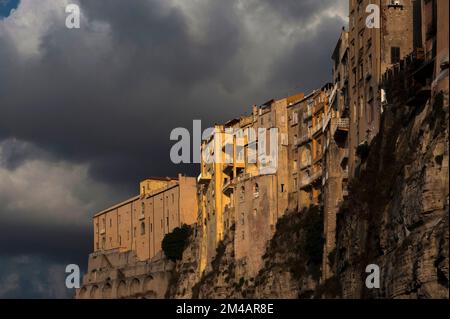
(228, 166)
(340, 126)
(204, 178)
(228, 187)
(316, 175)
(305, 182)
(141, 216)
(102, 231)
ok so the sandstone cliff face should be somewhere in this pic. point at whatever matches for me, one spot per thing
(185, 274)
(396, 217)
(397, 213)
(291, 264)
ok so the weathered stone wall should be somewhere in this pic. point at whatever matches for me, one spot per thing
(115, 274)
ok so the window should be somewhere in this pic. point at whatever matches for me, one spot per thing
(167, 221)
(120, 240)
(242, 194)
(295, 183)
(395, 55)
(282, 188)
(256, 190)
(173, 199)
(142, 228)
(110, 222)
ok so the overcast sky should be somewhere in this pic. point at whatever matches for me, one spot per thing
(86, 113)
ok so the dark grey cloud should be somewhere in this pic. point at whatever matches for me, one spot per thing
(32, 276)
(103, 99)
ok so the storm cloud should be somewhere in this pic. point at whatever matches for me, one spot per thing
(85, 113)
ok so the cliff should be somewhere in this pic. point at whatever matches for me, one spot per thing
(291, 264)
(396, 216)
(397, 213)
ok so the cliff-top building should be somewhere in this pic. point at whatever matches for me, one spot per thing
(249, 186)
(128, 235)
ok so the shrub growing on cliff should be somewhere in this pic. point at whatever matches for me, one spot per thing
(175, 242)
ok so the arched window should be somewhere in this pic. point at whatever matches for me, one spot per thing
(142, 228)
(242, 194)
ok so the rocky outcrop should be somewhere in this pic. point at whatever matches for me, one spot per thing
(291, 264)
(396, 216)
(397, 213)
(185, 274)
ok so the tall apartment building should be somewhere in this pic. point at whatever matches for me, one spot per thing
(212, 200)
(335, 158)
(248, 188)
(371, 52)
(310, 141)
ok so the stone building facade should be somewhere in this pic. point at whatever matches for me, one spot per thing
(127, 236)
(244, 186)
(335, 158)
(310, 142)
(371, 52)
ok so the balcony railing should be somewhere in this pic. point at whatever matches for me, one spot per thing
(305, 181)
(339, 124)
(316, 175)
